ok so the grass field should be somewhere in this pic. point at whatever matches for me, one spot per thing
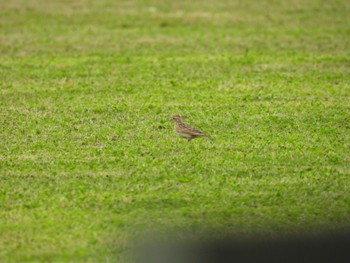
(88, 155)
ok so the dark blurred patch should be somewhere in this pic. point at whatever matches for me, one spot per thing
(333, 247)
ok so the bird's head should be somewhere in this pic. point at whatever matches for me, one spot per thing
(176, 118)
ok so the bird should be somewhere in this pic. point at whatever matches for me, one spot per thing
(187, 132)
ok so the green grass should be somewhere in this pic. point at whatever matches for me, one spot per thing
(87, 151)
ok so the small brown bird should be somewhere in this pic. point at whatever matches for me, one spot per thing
(186, 131)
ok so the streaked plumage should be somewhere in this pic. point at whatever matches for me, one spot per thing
(186, 131)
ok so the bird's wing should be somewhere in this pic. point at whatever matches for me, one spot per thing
(192, 130)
